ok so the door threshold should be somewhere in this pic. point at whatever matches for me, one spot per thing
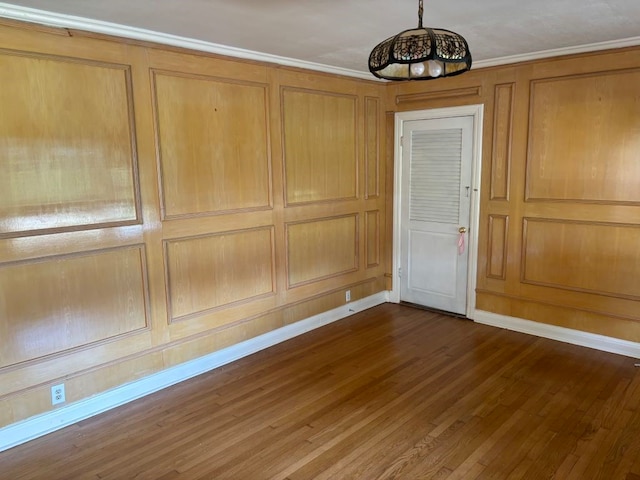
(435, 310)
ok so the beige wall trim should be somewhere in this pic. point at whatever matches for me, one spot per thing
(40, 425)
(562, 334)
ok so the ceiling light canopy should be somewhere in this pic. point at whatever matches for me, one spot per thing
(420, 54)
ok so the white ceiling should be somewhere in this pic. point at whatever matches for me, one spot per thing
(341, 33)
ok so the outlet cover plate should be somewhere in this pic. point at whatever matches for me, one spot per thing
(58, 394)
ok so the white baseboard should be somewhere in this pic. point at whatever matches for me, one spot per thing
(40, 425)
(567, 335)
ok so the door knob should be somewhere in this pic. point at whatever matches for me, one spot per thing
(462, 229)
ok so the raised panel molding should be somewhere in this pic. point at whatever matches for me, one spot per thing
(209, 272)
(213, 233)
(372, 147)
(65, 167)
(55, 304)
(590, 257)
(497, 250)
(439, 95)
(372, 229)
(209, 162)
(583, 138)
(320, 146)
(321, 248)
(502, 138)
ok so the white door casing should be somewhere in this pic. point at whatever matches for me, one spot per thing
(412, 233)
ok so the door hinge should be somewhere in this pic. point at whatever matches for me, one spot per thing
(400, 273)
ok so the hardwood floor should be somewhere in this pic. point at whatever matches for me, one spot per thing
(390, 393)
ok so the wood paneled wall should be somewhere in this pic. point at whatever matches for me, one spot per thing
(559, 239)
(157, 205)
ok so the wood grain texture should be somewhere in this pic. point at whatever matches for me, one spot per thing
(449, 94)
(320, 147)
(372, 146)
(67, 145)
(389, 126)
(502, 140)
(322, 248)
(213, 142)
(109, 145)
(211, 271)
(373, 233)
(50, 305)
(584, 136)
(393, 392)
(611, 317)
(589, 257)
(573, 123)
(77, 58)
(498, 241)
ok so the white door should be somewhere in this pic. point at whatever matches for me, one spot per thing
(435, 211)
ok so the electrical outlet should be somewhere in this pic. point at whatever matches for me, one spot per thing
(347, 296)
(57, 394)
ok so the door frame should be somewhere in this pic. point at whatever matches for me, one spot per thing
(477, 112)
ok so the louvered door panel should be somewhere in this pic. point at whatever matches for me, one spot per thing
(435, 176)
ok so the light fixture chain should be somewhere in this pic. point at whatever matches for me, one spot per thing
(420, 10)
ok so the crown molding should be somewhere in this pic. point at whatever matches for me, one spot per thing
(32, 15)
(557, 52)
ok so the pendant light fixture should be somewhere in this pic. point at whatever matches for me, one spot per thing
(420, 54)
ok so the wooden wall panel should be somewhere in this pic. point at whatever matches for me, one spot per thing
(502, 137)
(320, 146)
(213, 143)
(601, 321)
(497, 252)
(584, 138)
(215, 270)
(560, 145)
(411, 101)
(389, 127)
(373, 233)
(50, 305)
(372, 146)
(322, 248)
(132, 239)
(67, 145)
(580, 256)
(228, 131)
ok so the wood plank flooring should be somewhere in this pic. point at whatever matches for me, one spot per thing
(391, 393)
